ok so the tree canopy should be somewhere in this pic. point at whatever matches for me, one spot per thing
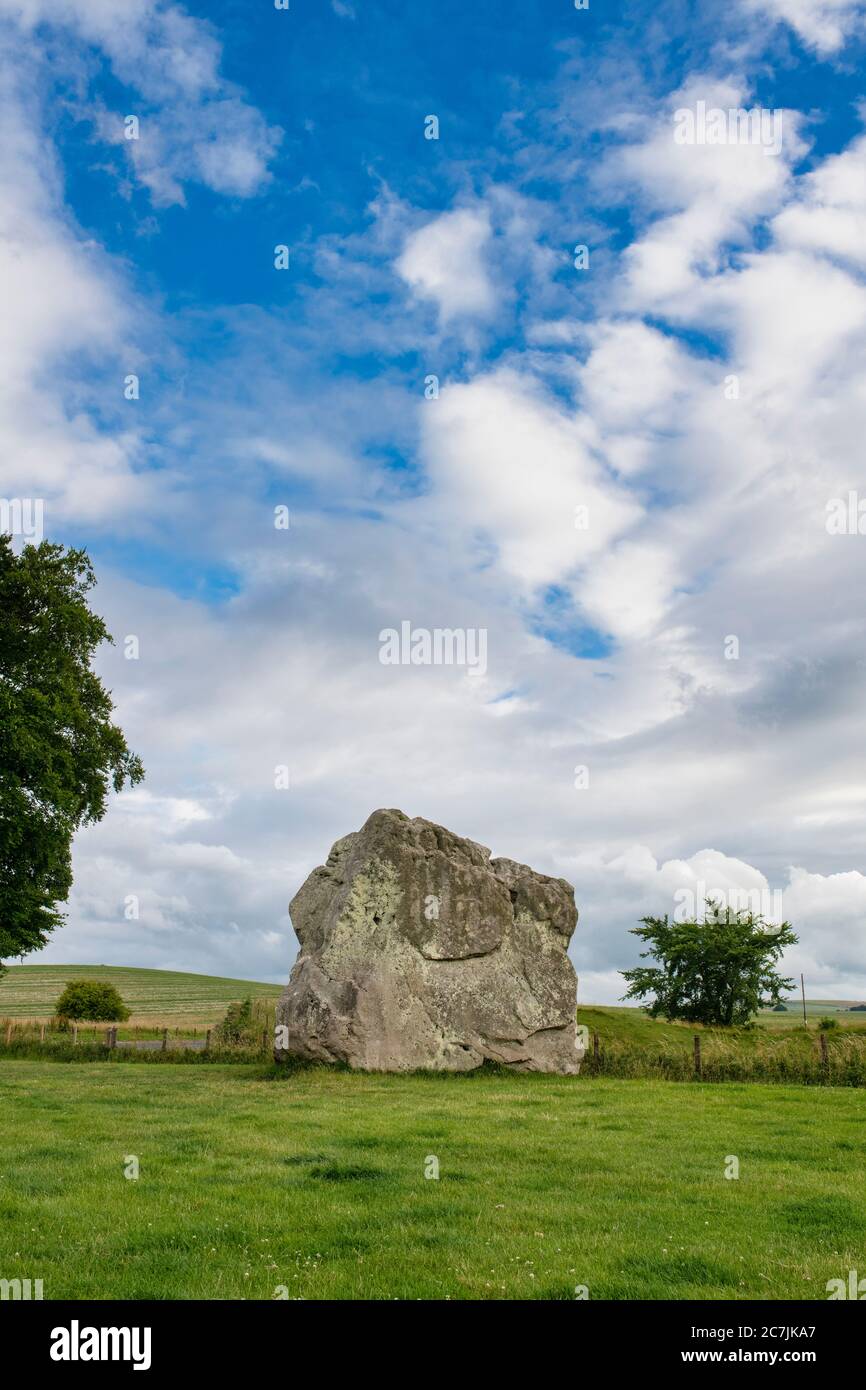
(717, 970)
(93, 1000)
(59, 751)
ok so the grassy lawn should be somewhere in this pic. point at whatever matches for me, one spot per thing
(316, 1181)
(153, 996)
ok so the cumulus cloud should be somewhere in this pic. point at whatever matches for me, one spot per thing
(829, 216)
(444, 261)
(704, 197)
(531, 469)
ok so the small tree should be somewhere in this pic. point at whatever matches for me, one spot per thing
(237, 1026)
(94, 1000)
(718, 971)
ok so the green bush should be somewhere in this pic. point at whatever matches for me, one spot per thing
(826, 1025)
(93, 1000)
(237, 1026)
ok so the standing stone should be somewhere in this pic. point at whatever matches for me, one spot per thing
(420, 951)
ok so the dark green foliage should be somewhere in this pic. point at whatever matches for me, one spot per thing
(717, 971)
(59, 751)
(92, 999)
(237, 1026)
(826, 1025)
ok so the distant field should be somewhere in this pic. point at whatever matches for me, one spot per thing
(815, 1009)
(622, 1024)
(153, 996)
(314, 1183)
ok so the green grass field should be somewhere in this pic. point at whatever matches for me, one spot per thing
(180, 1000)
(315, 1182)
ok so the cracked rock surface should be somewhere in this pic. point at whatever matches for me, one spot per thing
(420, 951)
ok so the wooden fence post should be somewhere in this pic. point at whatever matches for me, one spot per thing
(698, 1056)
(75, 1035)
(207, 1042)
(164, 1039)
(595, 1048)
(264, 1040)
(42, 1033)
(8, 1032)
(803, 992)
(825, 1056)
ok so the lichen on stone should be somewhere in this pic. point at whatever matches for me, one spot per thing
(383, 984)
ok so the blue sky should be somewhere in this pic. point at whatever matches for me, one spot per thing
(607, 388)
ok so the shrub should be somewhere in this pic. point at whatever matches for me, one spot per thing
(237, 1026)
(92, 999)
(826, 1025)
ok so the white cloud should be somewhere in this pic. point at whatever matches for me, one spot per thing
(633, 376)
(73, 329)
(194, 125)
(821, 24)
(627, 590)
(66, 308)
(709, 195)
(507, 463)
(446, 261)
(829, 217)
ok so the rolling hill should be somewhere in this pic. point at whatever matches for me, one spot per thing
(179, 999)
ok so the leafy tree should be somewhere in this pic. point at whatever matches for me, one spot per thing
(59, 751)
(91, 999)
(237, 1026)
(719, 970)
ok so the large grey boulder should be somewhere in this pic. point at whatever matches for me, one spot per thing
(419, 950)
